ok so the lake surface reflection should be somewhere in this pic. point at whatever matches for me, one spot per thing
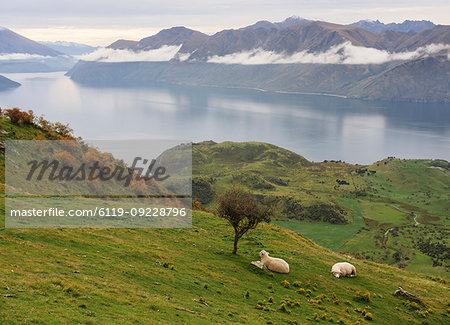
(317, 127)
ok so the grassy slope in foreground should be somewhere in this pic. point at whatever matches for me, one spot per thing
(104, 276)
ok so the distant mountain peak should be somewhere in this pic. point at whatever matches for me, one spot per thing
(122, 44)
(294, 17)
(70, 48)
(64, 43)
(377, 27)
(288, 22)
(189, 39)
(178, 28)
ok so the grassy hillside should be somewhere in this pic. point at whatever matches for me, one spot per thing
(393, 211)
(104, 276)
(136, 276)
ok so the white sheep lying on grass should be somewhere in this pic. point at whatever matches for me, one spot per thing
(343, 269)
(274, 264)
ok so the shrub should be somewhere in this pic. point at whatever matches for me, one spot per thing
(290, 302)
(362, 296)
(43, 123)
(62, 129)
(243, 212)
(285, 283)
(201, 189)
(321, 296)
(18, 117)
(264, 305)
(411, 305)
(297, 284)
(197, 205)
(335, 299)
(284, 308)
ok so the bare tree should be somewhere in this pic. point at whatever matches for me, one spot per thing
(243, 212)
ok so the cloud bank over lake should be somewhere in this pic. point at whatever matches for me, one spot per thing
(164, 53)
(22, 56)
(345, 53)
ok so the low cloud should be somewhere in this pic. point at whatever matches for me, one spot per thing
(22, 56)
(345, 53)
(164, 53)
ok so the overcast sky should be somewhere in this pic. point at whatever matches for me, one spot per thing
(100, 22)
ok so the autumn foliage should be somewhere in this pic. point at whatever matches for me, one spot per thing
(20, 117)
(56, 130)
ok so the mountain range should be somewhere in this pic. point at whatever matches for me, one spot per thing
(367, 59)
(288, 22)
(309, 36)
(70, 48)
(21, 54)
(375, 26)
(296, 55)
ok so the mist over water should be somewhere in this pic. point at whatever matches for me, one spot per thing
(345, 53)
(317, 127)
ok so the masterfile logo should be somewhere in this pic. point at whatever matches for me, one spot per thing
(143, 183)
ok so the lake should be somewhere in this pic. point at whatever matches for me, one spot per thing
(315, 126)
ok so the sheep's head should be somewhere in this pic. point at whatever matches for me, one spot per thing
(263, 253)
(336, 274)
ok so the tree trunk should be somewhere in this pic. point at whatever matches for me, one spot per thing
(236, 238)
